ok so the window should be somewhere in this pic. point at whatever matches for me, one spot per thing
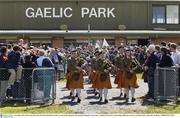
(158, 14)
(172, 14)
(168, 14)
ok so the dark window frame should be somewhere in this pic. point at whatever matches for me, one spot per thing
(165, 6)
(164, 13)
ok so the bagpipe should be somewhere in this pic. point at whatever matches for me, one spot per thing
(139, 67)
(106, 65)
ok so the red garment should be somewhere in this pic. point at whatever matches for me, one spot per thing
(3, 58)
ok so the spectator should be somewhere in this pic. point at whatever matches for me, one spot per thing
(3, 73)
(151, 66)
(13, 64)
(166, 60)
(34, 55)
(3, 57)
(9, 48)
(28, 68)
(158, 51)
(163, 43)
(44, 61)
(56, 59)
(144, 76)
(175, 54)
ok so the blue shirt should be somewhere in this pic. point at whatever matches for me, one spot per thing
(13, 60)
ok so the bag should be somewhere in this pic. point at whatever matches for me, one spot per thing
(103, 76)
(76, 76)
(18, 90)
(37, 92)
(9, 92)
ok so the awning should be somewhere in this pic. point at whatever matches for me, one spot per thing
(89, 33)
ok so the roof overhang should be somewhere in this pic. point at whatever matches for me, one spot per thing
(88, 33)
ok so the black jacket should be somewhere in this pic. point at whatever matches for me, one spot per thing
(166, 61)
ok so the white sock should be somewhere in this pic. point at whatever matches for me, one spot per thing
(127, 92)
(124, 90)
(120, 90)
(132, 92)
(78, 91)
(72, 91)
(100, 92)
(105, 93)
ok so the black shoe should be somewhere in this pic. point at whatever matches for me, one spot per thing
(76, 95)
(72, 99)
(124, 96)
(79, 100)
(99, 95)
(105, 101)
(121, 95)
(95, 93)
(100, 99)
(28, 101)
(127, 100)
(133, 100)
(70, 93)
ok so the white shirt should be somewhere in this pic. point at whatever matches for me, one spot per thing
(40, 60)
(176, 57)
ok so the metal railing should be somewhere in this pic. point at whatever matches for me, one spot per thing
(35, 85)
(166, 84)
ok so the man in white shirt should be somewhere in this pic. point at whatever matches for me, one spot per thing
(175, 54)
(176, 58)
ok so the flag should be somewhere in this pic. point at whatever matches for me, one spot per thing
(97, 45)
(105, 44)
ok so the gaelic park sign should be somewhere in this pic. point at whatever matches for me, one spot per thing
(49, 12)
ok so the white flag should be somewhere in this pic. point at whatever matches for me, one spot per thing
(105, 44)
(97, 45)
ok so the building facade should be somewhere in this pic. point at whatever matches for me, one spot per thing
(59, 23)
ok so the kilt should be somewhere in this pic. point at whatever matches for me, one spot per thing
(120, 79)
(130, 80)
(73, 83)
(101, 84)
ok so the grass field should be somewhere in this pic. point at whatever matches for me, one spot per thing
(62, 109)
(22, 109)
(151, 109)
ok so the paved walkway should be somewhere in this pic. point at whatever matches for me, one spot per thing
(90, 104)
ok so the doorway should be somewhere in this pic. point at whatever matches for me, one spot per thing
(143, 42)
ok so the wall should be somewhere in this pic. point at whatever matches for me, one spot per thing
(131, 14)
(167, 40)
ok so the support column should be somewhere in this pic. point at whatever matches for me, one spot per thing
(58, 42)
(120, 41)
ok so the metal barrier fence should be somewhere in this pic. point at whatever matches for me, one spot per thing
(166, 84)
(35, 85)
